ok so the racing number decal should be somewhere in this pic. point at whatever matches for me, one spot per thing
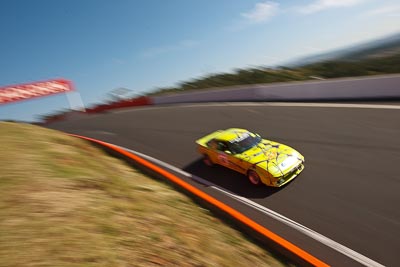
(223, 159)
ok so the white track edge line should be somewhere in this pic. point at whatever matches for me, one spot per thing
(273, 214)
(294, 104)
(307, 231)
(267, 104)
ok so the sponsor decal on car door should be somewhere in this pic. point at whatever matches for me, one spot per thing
(223, 159)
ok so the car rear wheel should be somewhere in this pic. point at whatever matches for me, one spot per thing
(254, 178)
(207, 161)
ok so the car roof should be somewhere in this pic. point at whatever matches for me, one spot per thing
(230, 134)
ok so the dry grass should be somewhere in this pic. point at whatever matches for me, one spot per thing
(64, 202)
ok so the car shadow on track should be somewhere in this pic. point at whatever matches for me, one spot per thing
(230, 180)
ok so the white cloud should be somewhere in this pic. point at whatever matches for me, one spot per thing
(320, 5)
(157, 51)
(261, 12)
(386, 11)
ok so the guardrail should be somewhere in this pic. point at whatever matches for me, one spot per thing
(361, 88)
(139, 101)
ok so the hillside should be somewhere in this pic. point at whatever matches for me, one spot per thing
(64, 202)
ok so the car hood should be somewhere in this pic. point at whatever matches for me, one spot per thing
(276, 158)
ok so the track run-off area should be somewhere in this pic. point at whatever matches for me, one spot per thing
(343, 208)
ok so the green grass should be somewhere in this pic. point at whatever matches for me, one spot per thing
(64, 202)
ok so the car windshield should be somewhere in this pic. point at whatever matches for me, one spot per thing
(243, 144)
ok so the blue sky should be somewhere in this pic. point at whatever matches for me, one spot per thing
(140, 45)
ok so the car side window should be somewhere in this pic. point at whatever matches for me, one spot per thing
(218, 145)
(212, 144)
(222, 146)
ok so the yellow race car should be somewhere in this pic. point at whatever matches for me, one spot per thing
(263, 161)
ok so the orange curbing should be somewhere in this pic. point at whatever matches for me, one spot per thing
(234, 213)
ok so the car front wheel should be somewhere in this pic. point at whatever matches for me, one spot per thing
(254, 178)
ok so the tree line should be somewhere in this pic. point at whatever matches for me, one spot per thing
(322, 70)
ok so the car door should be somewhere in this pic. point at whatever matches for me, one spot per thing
(238, 164)
(222, 154)
(212, 150)
(227, 158)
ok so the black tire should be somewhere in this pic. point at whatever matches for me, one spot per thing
(253, 177)
(208, 161)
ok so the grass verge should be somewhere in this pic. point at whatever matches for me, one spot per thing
(64, 202)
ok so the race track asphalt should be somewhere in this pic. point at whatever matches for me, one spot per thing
(348, 192)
